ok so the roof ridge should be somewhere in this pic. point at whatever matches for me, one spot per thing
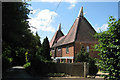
(77, 28)
(81, 12)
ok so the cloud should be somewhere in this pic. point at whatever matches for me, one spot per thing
(102, 28)
(43, 21)
(71, 6)
(72, 3)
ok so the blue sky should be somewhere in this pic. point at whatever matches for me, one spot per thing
(97, 13)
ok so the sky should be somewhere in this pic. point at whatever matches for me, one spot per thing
(46, 15)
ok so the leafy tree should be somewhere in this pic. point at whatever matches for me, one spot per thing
(14, 23)
(109, 48)
(16, 35)
(46, 49)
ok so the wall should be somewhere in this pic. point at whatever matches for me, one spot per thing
(74, 69)
(71, 51)
(59, 53)
(92, 53)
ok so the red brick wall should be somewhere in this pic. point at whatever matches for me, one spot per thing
(59, 53)
(92, 53)
(53, 55)
(78, 45)
(71, 51)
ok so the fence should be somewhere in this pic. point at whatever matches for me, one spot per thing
(74, 69)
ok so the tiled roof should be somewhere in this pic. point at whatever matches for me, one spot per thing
(56, 36)
(60, 41)
(53, 39)
(70, 37)
(81, 30)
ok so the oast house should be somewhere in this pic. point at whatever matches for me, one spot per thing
(65, 47)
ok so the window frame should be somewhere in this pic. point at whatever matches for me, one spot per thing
(59, 48)
(88, 49)
(53, 50)
(67, 50)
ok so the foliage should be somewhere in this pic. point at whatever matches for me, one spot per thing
(83, 56)
(17, 37)
(26, 57)
(28, 64)
(109, 48)
(6, 63)
(46, 49)
(40, 67)
(15, 31)
(93, 69)
(20, 46)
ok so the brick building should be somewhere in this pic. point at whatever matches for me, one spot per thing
(65, 47)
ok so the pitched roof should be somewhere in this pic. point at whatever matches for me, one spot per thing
(81, 30)
(56, 36)
(70, 37)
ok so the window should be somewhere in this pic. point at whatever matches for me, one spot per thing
(59, 48)
(53, 50)
(87, 48)
(67, 49)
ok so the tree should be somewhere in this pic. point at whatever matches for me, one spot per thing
(46, 49)
(14, 23)
(109, 48)
(82, 56)
(16, 35)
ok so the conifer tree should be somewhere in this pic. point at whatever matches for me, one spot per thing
(46, 49)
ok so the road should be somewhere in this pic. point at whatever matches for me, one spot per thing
(19, 73)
